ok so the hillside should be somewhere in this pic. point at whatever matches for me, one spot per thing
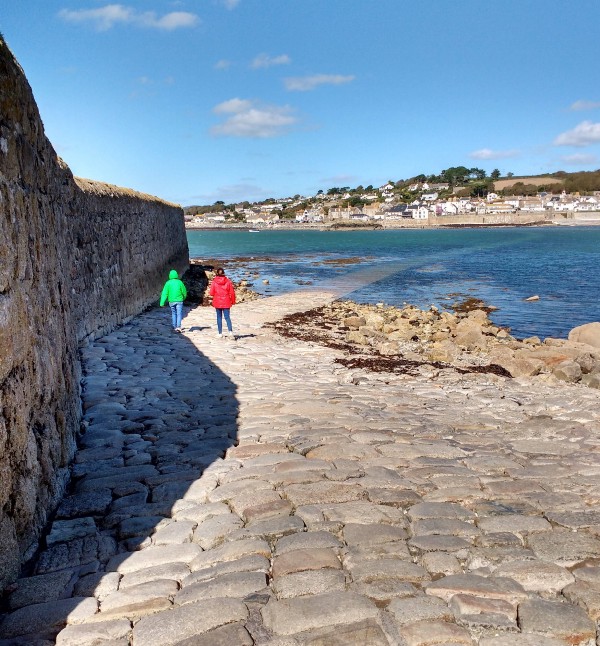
(502, 184)
(457, 181)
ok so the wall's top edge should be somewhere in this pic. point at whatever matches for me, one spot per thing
(110, 190)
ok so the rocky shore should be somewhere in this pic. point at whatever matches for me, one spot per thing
(417, 341)
(264, 492)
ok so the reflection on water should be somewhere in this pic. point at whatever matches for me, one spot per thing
(499, 266)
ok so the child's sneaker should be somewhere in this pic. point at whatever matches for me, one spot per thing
(219, 335)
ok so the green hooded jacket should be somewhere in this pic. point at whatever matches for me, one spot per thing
(174, 290)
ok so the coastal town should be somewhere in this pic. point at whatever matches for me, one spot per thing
(420, 203)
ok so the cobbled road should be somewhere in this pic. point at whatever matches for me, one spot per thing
(231, 493)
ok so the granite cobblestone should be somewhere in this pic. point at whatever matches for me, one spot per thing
(254, 492)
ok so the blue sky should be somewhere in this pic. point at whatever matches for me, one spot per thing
(203, 100)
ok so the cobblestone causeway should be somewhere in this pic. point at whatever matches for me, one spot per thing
(253, 492)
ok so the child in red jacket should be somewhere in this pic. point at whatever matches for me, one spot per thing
(223, 297)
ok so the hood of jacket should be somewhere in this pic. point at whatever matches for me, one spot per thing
(173, 274)
(220, 280)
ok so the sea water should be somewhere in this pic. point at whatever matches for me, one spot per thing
(501, 266)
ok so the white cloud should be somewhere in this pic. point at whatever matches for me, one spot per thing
(487, 153)
(146, 86)
(253, 120)
(584, 134)
(264, 60)
(105, 18)
(223, 64)
(579, 159)
(230, 4)
(233, 106)
(170, 21)
(584, 105)
(307, 83)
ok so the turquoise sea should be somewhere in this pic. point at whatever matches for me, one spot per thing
(501, 266)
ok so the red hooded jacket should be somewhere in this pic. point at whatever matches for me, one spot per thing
(221, 289)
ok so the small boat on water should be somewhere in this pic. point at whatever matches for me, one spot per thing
(253, 231)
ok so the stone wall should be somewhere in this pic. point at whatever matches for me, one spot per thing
(76, 259)
(122, 244)
(471, 219)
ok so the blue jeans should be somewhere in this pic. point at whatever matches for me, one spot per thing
(176, 313)
(222, 312)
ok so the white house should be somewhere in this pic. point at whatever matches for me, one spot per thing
(499, 207)
(450, 208)
(419, 212)
(268, 208)
(561, 206)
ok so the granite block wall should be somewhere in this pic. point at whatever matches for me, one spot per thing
(76, 259)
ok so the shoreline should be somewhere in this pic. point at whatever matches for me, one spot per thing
(448, 223)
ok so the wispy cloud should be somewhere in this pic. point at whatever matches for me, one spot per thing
(230, 4)
(107, 17)
(584, 134)
(488, 154)
(146, 86)
(584, 105)
(579, 159)
(223, 64)
(307, 83)
(264, 60)
(252, 119)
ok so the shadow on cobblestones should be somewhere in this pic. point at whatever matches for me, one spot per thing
(158, 418)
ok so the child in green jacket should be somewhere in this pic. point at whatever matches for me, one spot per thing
(174, 293)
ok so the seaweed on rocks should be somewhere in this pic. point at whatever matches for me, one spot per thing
(399, 365)
(321, 326)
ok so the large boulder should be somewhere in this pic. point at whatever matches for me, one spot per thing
(387, 348)
(354, 336)
(591, 380)
(375, 321)
(470, 335)
(587, 362)
(552, 357)
(519, 364)
(478, 316)
(444, 351)
(368, 331)
(568, 371)
(404, 331)
(354, 322)
(588, 333)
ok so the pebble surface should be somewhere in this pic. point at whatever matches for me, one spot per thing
(254, 492)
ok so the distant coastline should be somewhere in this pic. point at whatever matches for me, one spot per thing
(443, 222)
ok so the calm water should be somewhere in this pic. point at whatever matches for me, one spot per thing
(425, 267)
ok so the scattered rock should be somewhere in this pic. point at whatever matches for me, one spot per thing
(588, 333)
